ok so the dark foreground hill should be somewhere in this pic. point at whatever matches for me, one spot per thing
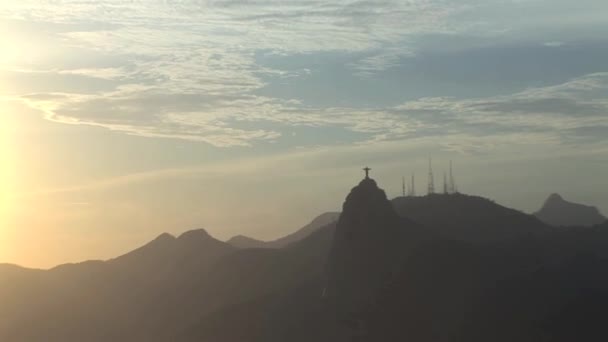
(435, 268)
(452, 291)
(557, 212)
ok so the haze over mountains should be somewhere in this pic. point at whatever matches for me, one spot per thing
(123, 122)
(440, 267)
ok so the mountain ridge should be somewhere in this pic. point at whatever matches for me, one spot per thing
(468, 218)
(430, 268)
(242, 241)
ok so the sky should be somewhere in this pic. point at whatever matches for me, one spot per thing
(120, 120)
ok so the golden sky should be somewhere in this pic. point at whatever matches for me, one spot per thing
(121, 120)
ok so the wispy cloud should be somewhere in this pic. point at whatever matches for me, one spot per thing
(188, 69)
(555, 109)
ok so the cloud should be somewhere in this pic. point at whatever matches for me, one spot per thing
(230, 121)
(559, 108)
(18, 82)
(188, 70)
(380, 61)
(554, 44)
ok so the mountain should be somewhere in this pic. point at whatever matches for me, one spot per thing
(390, 278)
(458, 291)
(322, 220)
(370, 243)
(468, 218)
(108, 300)
(280, 300)
(10, 271)
(341, 267)
(450, 268)
(556, 211)
(194, 249)
(164, 289)
(242, 241)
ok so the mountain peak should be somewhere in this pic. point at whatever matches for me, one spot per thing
(165, 237)
(367, 185)
(162, 241)
(557, 211)
(368, 182)
(365, 247)
(553, 198)
(364, 199)
(196, 234)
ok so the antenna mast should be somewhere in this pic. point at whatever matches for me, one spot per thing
(453, 188)
(431, 185)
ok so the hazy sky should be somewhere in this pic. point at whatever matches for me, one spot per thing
(121, 119)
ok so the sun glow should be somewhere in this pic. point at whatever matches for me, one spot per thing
(8, 180)
(18, 50)
(6, 162)
(11, 51)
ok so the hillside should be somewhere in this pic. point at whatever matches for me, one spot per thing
(242, 241)
(320, 221)
(468, 218)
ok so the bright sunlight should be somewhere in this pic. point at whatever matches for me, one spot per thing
(6, 161)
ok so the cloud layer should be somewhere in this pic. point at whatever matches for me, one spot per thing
(192, 69)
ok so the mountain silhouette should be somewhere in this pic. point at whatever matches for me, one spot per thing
(322, 220)
(113, 297)
(282, 295)
(370, 242)
(318, 222)
(390, 279)
(468, 218)
(556, 211)
(451, 268)
(242, 241)
(457, 291)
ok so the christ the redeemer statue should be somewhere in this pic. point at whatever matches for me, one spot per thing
(367, 170)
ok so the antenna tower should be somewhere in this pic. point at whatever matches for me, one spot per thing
(431, 185)
(453, 188)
